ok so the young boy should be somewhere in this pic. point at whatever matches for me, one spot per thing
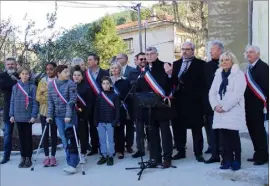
(107, 115)
(24, 111)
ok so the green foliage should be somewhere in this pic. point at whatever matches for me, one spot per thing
(145, 14)
(107, 43)
(2, 66)
(121, 20)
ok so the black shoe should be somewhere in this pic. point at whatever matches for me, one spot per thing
(251, 159)
(152, 163)
(212, 160)
(102, 160)
(200, 158)
(167, 164)
(21, 165)
(260, 162)
(121, 156)
(28, 162)
(208, 151)
(93, 152)
(110, 161)
(129, 150)
(138, 154)
(179, 156)
(4, 160)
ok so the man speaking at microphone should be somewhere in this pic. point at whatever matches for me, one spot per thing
(7, 80)
(156, 76)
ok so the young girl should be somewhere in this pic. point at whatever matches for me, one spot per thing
(107, 115)
(42, 98)
(62, 97)
(83, 97)
(24, 111)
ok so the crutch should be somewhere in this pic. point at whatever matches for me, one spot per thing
(79, 149)
(41, 140)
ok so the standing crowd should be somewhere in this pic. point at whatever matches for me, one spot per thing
(104, 105)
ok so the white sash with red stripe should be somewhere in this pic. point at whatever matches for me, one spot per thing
(107, 99)
(116, 91)
(155, 86)
(93, 83)
(59, 93)
(81, 100)
(256, 89)
(25, 94)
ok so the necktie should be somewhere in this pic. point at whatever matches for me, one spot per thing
(183, 69)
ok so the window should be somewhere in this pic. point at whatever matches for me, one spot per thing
(129, 43)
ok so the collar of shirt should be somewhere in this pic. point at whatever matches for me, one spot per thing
(253, 64)
(114, 80)
(124, 68)
(95, 74)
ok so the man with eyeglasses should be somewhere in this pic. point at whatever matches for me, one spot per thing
(187, 74)
(122, 59)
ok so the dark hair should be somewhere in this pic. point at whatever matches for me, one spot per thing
(141, 53)
(96, 57)
(11, 59)
(51, 63)
(106, 78)
(77, 68)
(60, 68)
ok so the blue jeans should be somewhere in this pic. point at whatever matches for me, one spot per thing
(72, 158)
(104, 130)
(8, 130)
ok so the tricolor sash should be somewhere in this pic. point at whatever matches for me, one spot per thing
(25, 94)
(93, 83)
(155, 86)
(59, 93)
(256, 90)
(116, 91)
(81, 100)
(107, 99)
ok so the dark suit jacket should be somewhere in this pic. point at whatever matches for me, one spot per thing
(189, 96)
(254, 106)
(93, 96)
(128, 70)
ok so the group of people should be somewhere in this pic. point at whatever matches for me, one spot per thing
(194, 94)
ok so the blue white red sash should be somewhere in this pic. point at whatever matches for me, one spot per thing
(59, 93)
(93, 83)
(25, 94)
(256, 90)
(81, 100)
(116, 91)
(107, 99)
(155, 86)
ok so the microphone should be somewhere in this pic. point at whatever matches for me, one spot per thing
(14, 77)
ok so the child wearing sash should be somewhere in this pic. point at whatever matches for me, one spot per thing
(83, 97)
(106, 117)
(62, 97)
(24, 111)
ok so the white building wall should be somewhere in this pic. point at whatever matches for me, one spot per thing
(260, 27)
(161, 37)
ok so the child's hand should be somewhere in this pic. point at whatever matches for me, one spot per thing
(48, 120)
(67, 120)
(12, 120)
(32, 120)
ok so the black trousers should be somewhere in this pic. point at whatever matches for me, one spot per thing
(258, 136)
(155, 129)
(25, 136)
(231, 145)
(83, 134)
(212, 136)
(129, 138)
(180, 137)
(53, 132)
(93, 134)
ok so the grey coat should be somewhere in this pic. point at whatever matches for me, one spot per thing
(18, 108)
(56, 107)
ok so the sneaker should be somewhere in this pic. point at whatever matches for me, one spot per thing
(236, 165)
(102, 160)
(70, 170)
(53, 162)
(4, 160)
(83, 158)
(110, 161)
(28, 162)
(21, 165)
(46, 162)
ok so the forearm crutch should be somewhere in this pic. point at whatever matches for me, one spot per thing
(79, 149)
(41, 140)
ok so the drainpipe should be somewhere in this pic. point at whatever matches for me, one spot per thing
(250, 13)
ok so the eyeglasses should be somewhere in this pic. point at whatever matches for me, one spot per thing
(143, 59)
(185, 49)
(119, 58)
